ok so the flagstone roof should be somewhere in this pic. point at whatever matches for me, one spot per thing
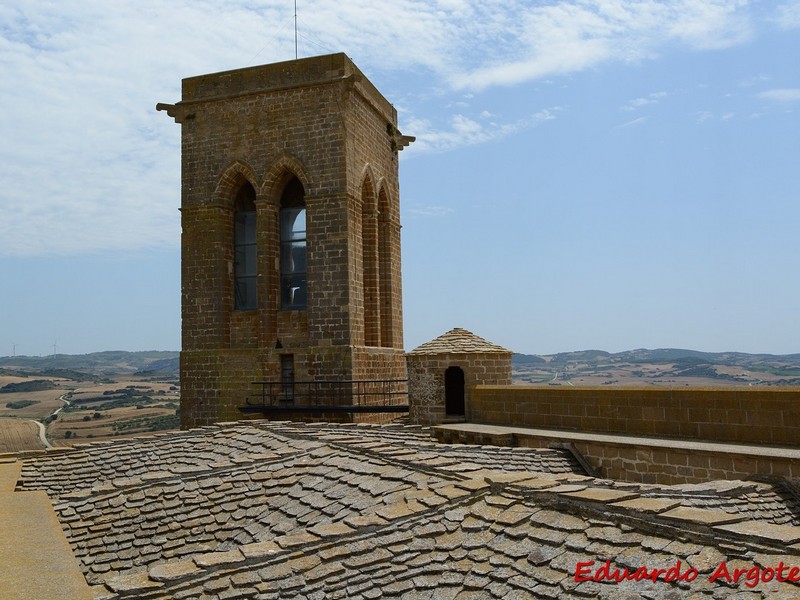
(458, 341)
(286, 510)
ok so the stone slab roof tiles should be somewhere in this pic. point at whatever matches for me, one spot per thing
(274, 510)
(459, 341)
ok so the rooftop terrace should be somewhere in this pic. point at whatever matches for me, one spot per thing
(263, 509)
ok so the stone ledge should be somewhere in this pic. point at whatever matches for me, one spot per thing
(648, 505)
(39, 547)
(700, 516)
(785, 534)
(9, 473)
(620, 456)
(601, 495)
(214, 559)
(479, 429)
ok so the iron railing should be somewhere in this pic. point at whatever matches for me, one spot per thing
(354, 395)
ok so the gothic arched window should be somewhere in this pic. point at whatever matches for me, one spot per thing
(294, 292)
(245, 262)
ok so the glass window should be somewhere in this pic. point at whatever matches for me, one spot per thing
(293, 247)
(245, 255)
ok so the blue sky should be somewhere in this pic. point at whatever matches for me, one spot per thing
(603, 174)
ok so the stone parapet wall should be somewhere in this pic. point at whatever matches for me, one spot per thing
(730, 415)
(658, 464)
(637, 459)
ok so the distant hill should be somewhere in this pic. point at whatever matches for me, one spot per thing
(656, 356)
(580, 355)
(73, 366)
(527, 359)
(164, 365)
(662, 366)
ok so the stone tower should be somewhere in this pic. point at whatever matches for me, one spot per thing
(291, 232)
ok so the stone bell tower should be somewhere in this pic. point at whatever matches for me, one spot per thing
(291, 232)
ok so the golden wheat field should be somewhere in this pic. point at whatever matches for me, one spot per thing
(19, 434)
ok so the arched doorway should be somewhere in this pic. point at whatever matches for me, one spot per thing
(454, 391)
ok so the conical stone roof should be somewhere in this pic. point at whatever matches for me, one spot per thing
(459, 341)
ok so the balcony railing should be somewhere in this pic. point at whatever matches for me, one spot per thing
(351, 396)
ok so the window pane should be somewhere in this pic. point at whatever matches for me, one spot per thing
(293, 223)
(293, 257)
(293, 292)
(245, 260)
(245, 228)
(246, 298)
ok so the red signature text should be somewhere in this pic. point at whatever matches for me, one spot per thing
(583, 572)
(750, 576)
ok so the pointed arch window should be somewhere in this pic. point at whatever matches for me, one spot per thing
(245, 263)
(294, 288)
(385, 278)
(369, 260)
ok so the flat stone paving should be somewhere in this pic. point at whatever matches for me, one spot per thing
(9, 473)
(285, 510)
(31, 541)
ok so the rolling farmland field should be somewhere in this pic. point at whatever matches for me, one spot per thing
(19, 434)
(79, 405)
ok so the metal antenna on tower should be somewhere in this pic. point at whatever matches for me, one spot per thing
(295, 29)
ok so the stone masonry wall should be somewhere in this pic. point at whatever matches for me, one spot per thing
(426, 380)
(322, 121)
(750, 415)
(383, 363)
(656, 464)
(640, 460)
(371, 161)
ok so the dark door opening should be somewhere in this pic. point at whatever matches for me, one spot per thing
(287, 377)
(454, 391)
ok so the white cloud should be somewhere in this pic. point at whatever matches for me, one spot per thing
(788, 14)
(465, 131)
(634, 122)
(558, 38)
(710, 24)
(704, 116)
(87, 165)
(652, 98)
(781, 95)
(428, 211)
(757, 80)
